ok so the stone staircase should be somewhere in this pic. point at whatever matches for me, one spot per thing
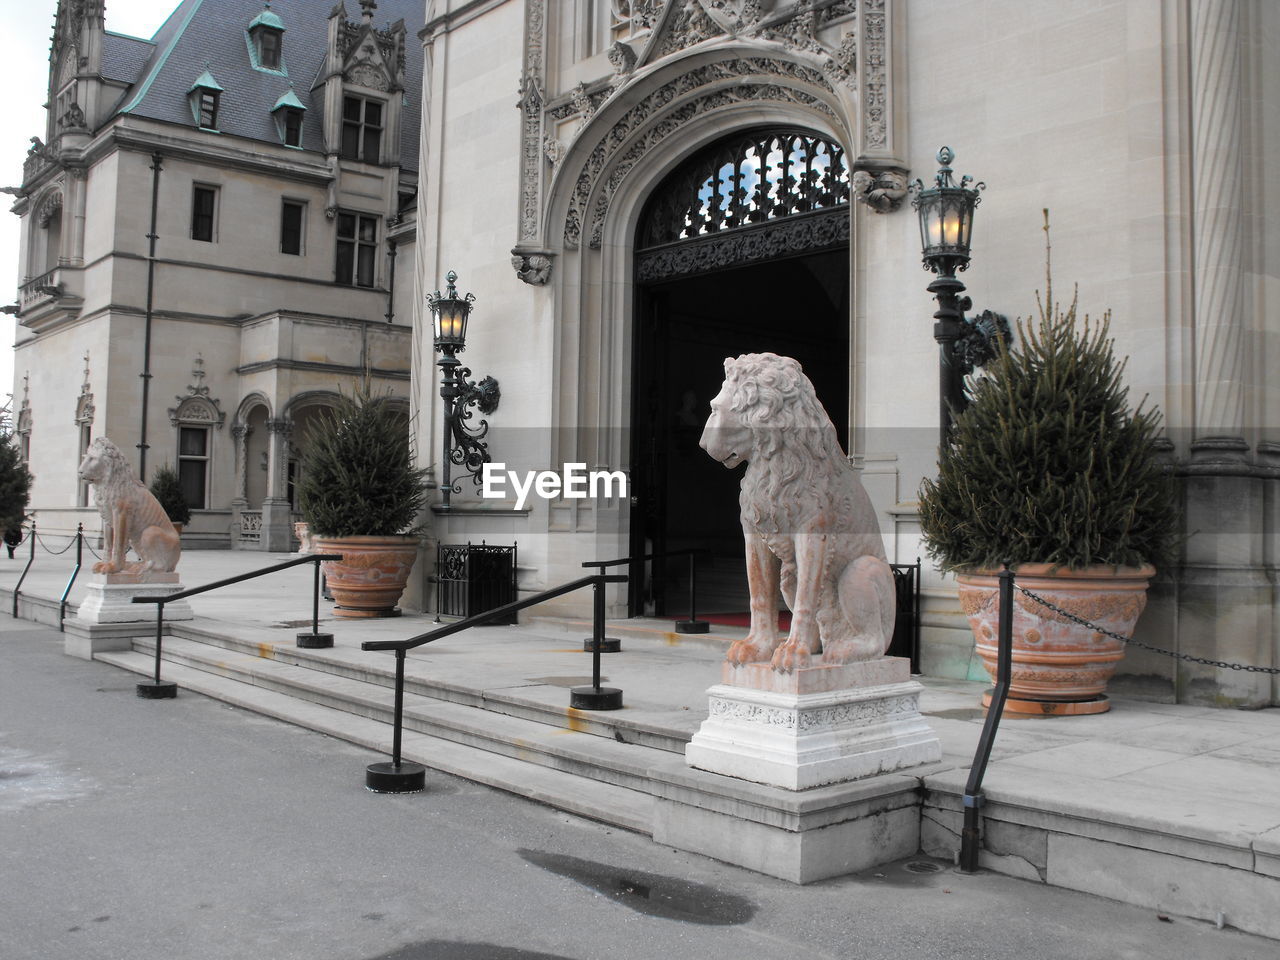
(512, 743)
(624, 768)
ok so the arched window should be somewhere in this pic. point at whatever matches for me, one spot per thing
(776, 191)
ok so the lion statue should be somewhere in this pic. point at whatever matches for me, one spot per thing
(131, 515)
(810, 528)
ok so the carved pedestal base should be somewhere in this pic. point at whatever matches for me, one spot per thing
(815, 726)
(110, 599)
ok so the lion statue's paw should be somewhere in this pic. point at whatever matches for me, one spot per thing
(104, 566)
(789, 657)
(744, 651)
(851, 651)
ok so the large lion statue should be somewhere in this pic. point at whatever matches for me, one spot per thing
(809, 525)
(131, 515)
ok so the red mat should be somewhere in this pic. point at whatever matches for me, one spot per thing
(739, 619)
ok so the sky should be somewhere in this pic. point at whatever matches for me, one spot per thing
(28, 26)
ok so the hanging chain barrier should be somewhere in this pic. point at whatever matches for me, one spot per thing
(1223, 664)
(56, 553)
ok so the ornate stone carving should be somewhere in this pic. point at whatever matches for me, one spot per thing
(196, 406)
(84, 404)
(532, 136)
(623, 59)
(811, 530)
(367, 75)
(881, 190)
(875, 82)
(532, 267)
(812, 232)
(755, 74)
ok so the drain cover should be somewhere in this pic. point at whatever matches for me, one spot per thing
(923, 866)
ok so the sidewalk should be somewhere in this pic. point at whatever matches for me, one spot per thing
(1169, 806)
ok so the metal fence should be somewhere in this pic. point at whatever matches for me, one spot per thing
(472, 578)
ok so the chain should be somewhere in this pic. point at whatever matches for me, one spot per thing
(89, 545)
(54, 553)
(1247, 667)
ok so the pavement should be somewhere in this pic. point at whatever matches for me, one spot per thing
(217, 834)
(1185, 798)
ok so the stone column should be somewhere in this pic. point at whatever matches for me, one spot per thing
(277, 524)
(1225, 604)
(239, 500)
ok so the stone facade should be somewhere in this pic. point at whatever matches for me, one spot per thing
(1141, 127)
(242, 314)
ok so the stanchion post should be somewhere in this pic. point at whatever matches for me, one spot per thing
(693, 624)
(156, 689)
(971, 833)
(398, 776)
(31, 558)
(596, 697)
(75, 572)
(315, 640)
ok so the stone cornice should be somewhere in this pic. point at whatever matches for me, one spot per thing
(333, 368)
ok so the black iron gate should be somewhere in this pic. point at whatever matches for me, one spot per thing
(906, 631)
(473, 578)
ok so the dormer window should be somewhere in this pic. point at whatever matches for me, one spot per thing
(288, 113)
(361, 129)
(266, 41)
(204, 97)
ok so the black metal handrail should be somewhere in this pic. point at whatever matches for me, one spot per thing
(693, 624)
(401, 777)
(75, 572)
(155, 690)
(30, 560)
(970, 835)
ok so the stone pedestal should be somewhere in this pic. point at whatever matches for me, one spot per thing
(108, 619)
(814, 726)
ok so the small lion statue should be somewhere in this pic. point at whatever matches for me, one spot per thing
(131, 516)
(810, 528)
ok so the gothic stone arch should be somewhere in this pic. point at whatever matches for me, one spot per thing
(595, 203)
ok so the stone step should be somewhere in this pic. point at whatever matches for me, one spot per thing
(594, 799)
(379, 669)
(597, 758)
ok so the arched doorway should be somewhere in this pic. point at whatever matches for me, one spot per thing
(742, 249)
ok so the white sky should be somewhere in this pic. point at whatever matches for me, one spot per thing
(27, 25)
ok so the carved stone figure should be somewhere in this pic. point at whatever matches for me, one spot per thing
(810, 528)
(131, 516)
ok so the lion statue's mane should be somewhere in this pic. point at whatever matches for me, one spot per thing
(811, 530)
(131, 515)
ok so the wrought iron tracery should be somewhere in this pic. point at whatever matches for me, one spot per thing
(750, 179)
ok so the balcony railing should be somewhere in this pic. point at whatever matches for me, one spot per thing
(59, 286)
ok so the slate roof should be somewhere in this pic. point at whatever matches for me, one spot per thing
(211, 35)
(124, 57)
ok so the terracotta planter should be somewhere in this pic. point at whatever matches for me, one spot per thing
(1059, 667)
(368, 580)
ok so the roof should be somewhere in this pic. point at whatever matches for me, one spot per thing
(124, 57)
(212, 36)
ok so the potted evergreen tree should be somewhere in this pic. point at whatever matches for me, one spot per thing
(1049, 471)
(360, 495)
(168, 491)
(15, 490)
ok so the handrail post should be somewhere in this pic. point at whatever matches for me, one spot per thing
(315, 640)
(598, 642)
(693, 624)
(31, 558)
(75, 572)
(398, 776)
(157, 689)
(971, 834)
(596, 697)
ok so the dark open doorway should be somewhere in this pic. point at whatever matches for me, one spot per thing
(685, 328)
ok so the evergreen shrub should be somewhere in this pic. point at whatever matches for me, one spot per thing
(15, 488)
(166, 489)
(1048, 464)
(358, 477)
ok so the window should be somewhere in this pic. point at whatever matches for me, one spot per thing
(291, 219)
(207, 103)
(269, 48)
(361, 129)
(86, 438)
(293, 128)
(193, 465)
(204, 201)
(357, 243)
